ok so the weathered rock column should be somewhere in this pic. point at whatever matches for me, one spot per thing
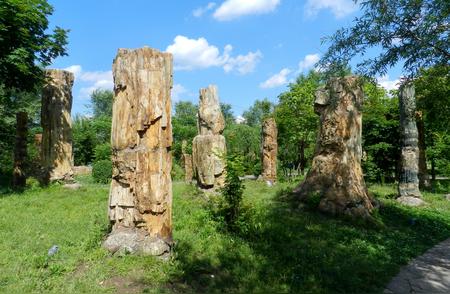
(56, 151)
(408, 187)
(20, 150)
(208, 147)
(269, 150)
(336, 178)
(187, 163)
(140, 200)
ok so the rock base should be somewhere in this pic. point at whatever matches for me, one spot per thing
(134, 241)
(410, 201)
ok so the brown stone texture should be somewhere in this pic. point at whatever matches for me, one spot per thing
(56, 150)
(336, 178)
(140, 201)
(409, 162)
(208, 147)
(20, 150)
(187, 163)
(269, 150)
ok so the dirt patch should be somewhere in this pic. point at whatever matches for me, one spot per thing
(124, 285)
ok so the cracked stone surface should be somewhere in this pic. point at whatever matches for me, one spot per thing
(428, 273)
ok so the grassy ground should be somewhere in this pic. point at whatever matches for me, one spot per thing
(282, 249)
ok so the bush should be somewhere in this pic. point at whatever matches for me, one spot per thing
(177, 172)
(102, 152)
(102, 171)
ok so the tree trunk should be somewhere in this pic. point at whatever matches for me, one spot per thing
(424, 180)
(408, 187)
(140, 198)
(336, 178)
(20, 150)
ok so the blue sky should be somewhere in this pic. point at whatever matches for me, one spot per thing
(251, 49)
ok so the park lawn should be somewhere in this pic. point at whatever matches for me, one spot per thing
(281, 248)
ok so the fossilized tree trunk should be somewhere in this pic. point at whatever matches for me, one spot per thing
(20, 150)
(56, 151)
(187, 163)
(335, 178)
(140, 200)
(208, 147)
(424, 179)
(269, 150)
(408, 187)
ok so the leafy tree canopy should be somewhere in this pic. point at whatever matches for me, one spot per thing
(260, 110)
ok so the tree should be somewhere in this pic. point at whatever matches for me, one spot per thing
(260, 110)
(297, 123)
(184, 126)
(227, 113)
(412, 32)
(25, 48)
(102, 101)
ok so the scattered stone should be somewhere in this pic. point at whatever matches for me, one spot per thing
(269, 150)
(56, 150)
(410, 201)
(82, 170)
(140, 199)
(336, 176)
(208, 147)
(53, 250)
(73, 186)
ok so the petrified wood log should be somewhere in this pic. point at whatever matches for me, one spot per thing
(187, 163)
(335, 179)
(269, 150)
(56, 150)
(140, 201)
(408, 187)
(208, 147)
(20, 150)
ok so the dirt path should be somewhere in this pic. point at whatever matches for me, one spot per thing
(428, 273)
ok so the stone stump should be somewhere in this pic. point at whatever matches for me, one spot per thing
(335, 179)
(140, 199)
(208, 147)
(187, 163)
(56, 148)
(269, 148)
(20, 150)
(408, 187)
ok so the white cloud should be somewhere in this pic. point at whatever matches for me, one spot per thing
(308, 62)
(231, 9)
(91, 80)
(191, 54)
(340, 8)
(277, 80)
(388, 84)
(177, 91)
(198, 12)
(240, 119)
(244, 64)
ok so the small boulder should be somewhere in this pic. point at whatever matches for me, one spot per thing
(410, 201)
(73, 186)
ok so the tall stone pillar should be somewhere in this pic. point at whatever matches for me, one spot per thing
(187, 163)
(336, 179)
(56, 151)
(20, 150)
(140, 199)
(208, 147)
(408, 187)
(269, 148)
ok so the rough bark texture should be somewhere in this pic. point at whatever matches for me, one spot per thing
(20, 150)
(140, 200)
(335, 179)
(424, 179)
(208, 147)
(409, 182)
(187, 163)
(56, 151)
(269, 150)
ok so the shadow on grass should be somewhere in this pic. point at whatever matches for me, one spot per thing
(302, 251)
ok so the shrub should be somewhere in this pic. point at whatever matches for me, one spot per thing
(177, 172)
(102, 171)
(102, 152)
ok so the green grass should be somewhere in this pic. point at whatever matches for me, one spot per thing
(282, 249)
